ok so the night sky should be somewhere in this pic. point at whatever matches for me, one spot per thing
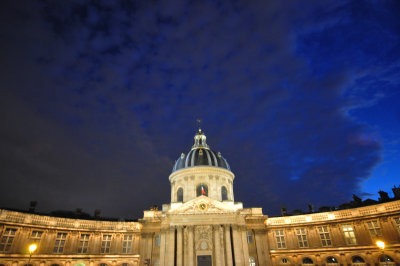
(98, 99)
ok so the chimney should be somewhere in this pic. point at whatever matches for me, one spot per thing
(283, 211)
(78, 212)
(310, 208)
(32, 206)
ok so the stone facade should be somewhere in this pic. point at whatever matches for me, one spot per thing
(202, 225)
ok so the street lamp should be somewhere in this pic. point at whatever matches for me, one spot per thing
(381, 245)
(32, 248)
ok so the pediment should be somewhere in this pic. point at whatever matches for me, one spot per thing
(204, 205)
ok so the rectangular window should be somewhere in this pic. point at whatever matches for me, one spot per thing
(158, 240)
(324, 235)
(374, 228)
(280, 239)
(127, 244)
(83, 243)
(249, 237)
(7, 239)
(60, 242)
(302, 237)
(36, 236)
(349, 235)
(106, 244)
(397, 221)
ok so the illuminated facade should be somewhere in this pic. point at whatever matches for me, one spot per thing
(203, 225)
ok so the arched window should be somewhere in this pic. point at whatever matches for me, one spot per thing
(102, 264)
(385, 258)
(202, 189)
(224, 193)
(308, 261)
(331, 260)
(179, 195)
(252, 261)
(358, 261)
(284, 261)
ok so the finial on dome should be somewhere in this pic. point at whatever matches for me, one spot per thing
(200, 138)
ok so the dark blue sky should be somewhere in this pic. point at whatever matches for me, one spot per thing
(99, 98)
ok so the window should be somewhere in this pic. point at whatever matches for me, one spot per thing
(102, 264)
(280, 239)
(55, 265)
(302, 237)
(324, 235)
(179, 195)
(252, 261)
(284, 261)
(127, 244)
(397, 221)
(385, 258)
(374, 228)
(331, 260)
(7, 239)
(358, 261)
(202, 189)
(224, 193)
(36, 236)
(349, 235)
(106, 244)
(158, 240)
(124, 264)
(308, 261)
(83, 243)
(249, 237)
(60, 242)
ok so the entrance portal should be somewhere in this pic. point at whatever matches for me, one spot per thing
(204, 260)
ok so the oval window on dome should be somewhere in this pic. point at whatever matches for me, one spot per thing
(202, 190)
(224, 193)
(179, 195)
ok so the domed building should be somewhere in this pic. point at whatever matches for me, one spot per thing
(203, 225)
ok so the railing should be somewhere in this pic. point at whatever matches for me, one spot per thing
(336, 215)
(34, 219)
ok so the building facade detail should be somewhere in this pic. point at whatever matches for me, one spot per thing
(203, 225)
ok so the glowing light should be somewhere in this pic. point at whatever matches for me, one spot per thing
(32, 248)
(380, 244)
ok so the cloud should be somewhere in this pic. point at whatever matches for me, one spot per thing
(112, 91)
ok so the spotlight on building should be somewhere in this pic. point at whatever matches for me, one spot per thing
(380, 244)
(32, 248)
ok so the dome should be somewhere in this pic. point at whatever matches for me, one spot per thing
(200, 155)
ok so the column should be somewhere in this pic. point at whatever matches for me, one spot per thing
(221, 239)
(171, 247)
(179, 246)
(190, 246)
(228, 247)
(262, 247)
(237, 246)
(162, 247)
(245, 245)
(217, 245)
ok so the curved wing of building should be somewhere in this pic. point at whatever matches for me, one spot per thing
(203, 225)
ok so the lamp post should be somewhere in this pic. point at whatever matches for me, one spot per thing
(381, 245)
(32, 248)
